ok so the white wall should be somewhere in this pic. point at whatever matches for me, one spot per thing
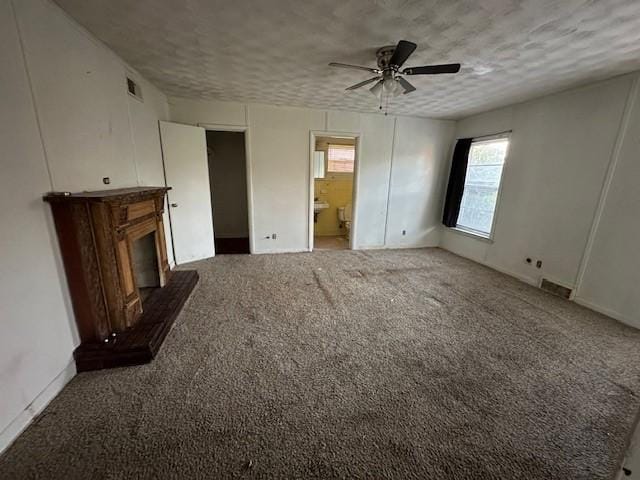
(611, 280)
(145, 136)
(561, 148)
(280, 175)
(420, 158)
(37, 333)
(376, 150)
(91, 127)
(279, 145)
(66, 121)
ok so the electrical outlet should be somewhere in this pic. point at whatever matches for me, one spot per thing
(404, 232)
(273, 236)
(106, 180)
(528, 260)
(539, 264)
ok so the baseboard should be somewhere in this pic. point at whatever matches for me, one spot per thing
(401, 246)
(394, 247)
(607, 311)
(530, 280)
(24, 418)
(368, 247)
(280, 250)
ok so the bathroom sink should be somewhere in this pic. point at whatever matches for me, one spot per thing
(319, 205)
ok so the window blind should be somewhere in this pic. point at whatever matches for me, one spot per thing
(340, 158)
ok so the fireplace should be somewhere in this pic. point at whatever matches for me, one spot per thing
(113, 247)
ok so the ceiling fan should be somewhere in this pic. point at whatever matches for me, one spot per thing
(389, 76)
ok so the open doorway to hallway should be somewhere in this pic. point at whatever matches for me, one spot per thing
(334, 166)
(226, 157)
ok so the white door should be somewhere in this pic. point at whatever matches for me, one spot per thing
(184, 149)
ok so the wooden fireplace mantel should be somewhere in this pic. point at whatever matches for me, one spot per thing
(96, 231)
(115, 195)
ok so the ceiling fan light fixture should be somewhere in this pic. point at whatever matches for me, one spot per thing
(377, 89)
(389, 84)
(391, 87)
(397, 88)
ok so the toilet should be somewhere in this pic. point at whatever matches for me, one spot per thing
(344, 215)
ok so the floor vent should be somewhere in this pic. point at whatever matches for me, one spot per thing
(556, 289)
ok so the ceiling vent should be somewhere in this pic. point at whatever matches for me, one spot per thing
(134, 89)
(556, 289)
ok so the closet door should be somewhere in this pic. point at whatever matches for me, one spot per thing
(184, 150)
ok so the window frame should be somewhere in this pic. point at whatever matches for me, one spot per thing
(328, 172)
(477, 234)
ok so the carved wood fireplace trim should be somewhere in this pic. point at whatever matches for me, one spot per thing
(96, 231)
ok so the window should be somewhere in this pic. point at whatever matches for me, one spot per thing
(341, 158)
(481, 185)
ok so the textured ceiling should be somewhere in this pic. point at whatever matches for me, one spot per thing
(276, 51)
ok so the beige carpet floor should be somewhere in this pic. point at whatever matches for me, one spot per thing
(353, 364)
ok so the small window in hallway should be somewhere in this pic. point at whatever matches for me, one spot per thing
(481, 185)
(341, 158)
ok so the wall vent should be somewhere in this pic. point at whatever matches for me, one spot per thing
(556, 289)
(134, 89)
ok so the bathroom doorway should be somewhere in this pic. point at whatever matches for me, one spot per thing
(333, 164)
(227, 159)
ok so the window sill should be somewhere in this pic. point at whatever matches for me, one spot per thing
(472, 234)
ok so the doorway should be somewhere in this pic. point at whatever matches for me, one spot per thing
(333, 172)
(226, 157)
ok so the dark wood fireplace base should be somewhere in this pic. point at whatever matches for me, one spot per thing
(141, 342)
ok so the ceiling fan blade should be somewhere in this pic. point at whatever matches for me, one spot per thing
(408, 88)
(362, 84)
(432, 69)
(403, 50)
(355, 67)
